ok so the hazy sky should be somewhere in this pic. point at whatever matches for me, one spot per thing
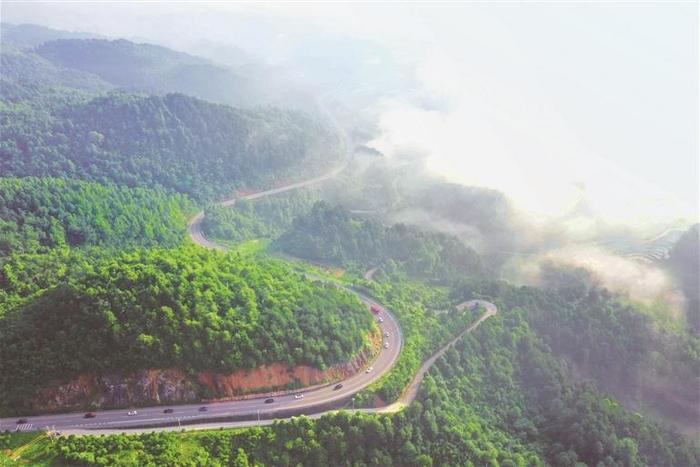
(582, 110)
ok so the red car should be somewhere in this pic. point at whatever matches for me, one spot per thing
(90, 415)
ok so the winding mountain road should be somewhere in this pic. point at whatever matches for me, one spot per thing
(194, 228)
(252, 411)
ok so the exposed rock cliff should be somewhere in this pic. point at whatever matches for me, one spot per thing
(156, 386)
(143, 387)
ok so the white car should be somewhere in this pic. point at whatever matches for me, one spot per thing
(298, 396)
(386, 334)
(368, 369)
(131, 413)
(380, 319)
(386, 345)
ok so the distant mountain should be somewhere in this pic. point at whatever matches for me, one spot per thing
(25, 74)
(149, 68)
(62, 118)
(30, 35)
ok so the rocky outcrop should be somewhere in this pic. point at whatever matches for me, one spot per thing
(156, 386)
(147, 386)
(272, 378)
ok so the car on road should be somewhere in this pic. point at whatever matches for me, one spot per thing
(386, 345)
(386, 334)
(90, 415)
(203, 409)
(298, 396)
(380, 319)
(368, 369)
(269, 400)
(21, 420)
(168, 411)
(131, 413)
(338, 386)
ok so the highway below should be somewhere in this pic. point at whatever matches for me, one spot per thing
(314, 399)
(253, 410)
(326, 396)
(250, 411)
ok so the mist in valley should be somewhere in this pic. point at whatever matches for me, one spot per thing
(523, 132)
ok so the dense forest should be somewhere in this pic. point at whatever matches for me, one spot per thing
(185, 308)
(508, 374)
(176, 142)
(261, 218)
(24, 275)
(331, 234)
(37, 214)
(497, 398)
(610, 341)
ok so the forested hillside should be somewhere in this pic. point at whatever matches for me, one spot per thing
(149, 68)
(26, 275)
(329, 233)
(607, 340)
(28, 76)
(185, 308)
(176, 142)
(37, 214)
(260, 218)
(506, 374)
(498, 398)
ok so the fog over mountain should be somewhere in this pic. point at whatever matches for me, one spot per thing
(552, 113)
(589, 133)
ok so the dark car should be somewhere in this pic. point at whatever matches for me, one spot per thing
(203, 409)
(90, 415)
(168, 411)
(269, 401)
(21, 420)
(338, 386)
